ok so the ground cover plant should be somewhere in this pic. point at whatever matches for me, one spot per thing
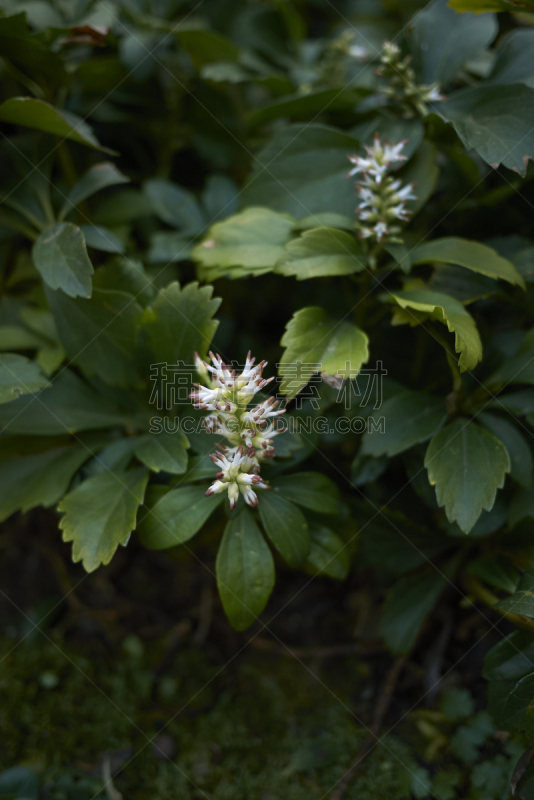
(266, 337)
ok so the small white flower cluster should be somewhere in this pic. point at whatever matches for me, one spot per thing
(383, 199)
(227, 396)
(402, 87)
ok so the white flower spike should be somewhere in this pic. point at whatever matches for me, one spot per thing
(401, 85)
(227, 396)
(382, 199)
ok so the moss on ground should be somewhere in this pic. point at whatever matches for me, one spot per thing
(259, 730)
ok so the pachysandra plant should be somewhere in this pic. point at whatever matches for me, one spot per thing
(403, 331)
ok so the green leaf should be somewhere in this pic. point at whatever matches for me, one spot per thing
(517, 447)
(97, 177)
(517, 369)
(298, 106)
(69, 405)
(513, 58)
(34, 113)
(522, 506)
(245, 571)
(422, 170)
(311, 490)
(519, 702)
(122, 207)
(175, 205)
(249, 243)
(100, 334)
(220, 197)
(164, 451)
(407, 604)
(18, 376)
(176, 516)
(473, 255)
(307, 172)
(497, 121)
(366, 469)
(100, 514)
(451, 313)
(467, 465)
(101, 238)
(410, 418)
(126, 275)
(205, 47)
(313, 338)
(394, 543)
(465, 285)
(20, 783)
(286, 527)
(442, 41)
(180, 322)
(328, 554)
(511, 658)
(36, 472)
(15, 337)
(167, 247)
(481, 6)
(321, 252)
(522, 601)
(60, 255)
(496, 571)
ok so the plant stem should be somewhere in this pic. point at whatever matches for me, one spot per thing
(490, 599)
(451, 359)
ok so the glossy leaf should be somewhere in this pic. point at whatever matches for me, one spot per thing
(313, 338)
(100, 514)
(175, 517)
(307, 170)
(442, 41)
(522, 601)
(245, 571)
(310, 490)
(249, 243)
(299, 106)
(517, 369)
(164, 452)
(517, 446)
(68, 405)
(512, 658)
(180, 322)
(101, 238)
(286, 527)
(518, 704)
(467, 465)
(34, 113)
(451, 313)
(410, 418)
(473, 255)
(18, 376)
(99, 334)
(497, 121)
(328, 554)
(408, 603)
(321, 252)
(60, 255)
(513, 61)
(37, 472)
(97, 177)
(175, 205)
